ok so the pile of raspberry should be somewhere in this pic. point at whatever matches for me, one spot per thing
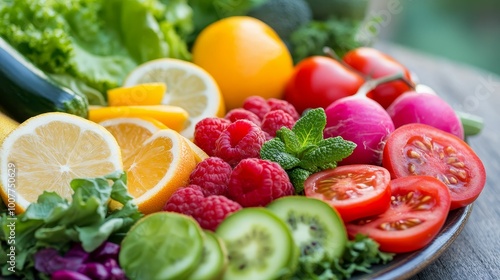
(234, 176)
(242, 131)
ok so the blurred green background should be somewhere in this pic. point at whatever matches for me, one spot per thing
(462, 30)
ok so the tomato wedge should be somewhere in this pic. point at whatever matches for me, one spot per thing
(355, 191)
(419, 149)
(419, 207)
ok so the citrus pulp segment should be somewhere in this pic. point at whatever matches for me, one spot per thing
(47, 151)
(189, 87)
(130, 133)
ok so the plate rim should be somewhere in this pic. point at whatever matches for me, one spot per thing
(404, 266)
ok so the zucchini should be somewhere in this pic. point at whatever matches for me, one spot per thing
(25, 91)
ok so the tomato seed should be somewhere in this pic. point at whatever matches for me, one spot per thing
(411, 168)
(452, 180)
(419, 145)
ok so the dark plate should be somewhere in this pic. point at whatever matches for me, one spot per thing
(404, 266)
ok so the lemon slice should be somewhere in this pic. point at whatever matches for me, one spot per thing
(188, 86)
(47, 151)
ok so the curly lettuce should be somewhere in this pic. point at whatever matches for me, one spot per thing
(95, 42)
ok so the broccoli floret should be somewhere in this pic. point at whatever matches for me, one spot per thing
(284, 16)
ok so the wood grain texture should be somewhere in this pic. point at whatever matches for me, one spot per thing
(475, 254)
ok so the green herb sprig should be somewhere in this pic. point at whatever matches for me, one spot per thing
(302, 150)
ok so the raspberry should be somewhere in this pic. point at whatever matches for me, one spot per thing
(207, 131)
(274, 120)
(257, 182)
(242, 114)
(185, 200)
(214, 209)
(212, 175)
(278, 104)
(242, 139)
(257, 105)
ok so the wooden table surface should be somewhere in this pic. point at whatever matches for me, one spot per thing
(475, 253)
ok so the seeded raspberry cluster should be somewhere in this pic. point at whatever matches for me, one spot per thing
(234, 175)
(243, 131)
(257, 182)
(208, 211)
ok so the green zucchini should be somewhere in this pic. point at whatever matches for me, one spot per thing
(25, 91)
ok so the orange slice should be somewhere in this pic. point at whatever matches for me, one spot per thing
(47, 151)
(173, 117)
(141, 94)
(130, 133)
(157, 167)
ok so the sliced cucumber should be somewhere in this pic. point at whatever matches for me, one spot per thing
(316, 227)
(260, 245)
(214, 259)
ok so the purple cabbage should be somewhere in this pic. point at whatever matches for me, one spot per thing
(77, 264)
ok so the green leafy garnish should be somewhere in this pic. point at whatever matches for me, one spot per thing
(338, 34)
(302, 150)
(360, 255)
(92, 45)
(56, 222)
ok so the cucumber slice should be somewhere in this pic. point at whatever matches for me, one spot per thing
(214, 259)
(317, 228)
(163, 245)
(260, 245)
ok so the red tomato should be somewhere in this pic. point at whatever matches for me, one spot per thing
(375, 64)
(318, 81)
(355, 191)
(420, 149)
(419, 207)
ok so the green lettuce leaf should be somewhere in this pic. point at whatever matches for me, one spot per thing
(96, 42)
(56, 222)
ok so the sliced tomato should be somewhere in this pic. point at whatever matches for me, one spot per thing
(355, 191)
(419, 207)
(419, 149)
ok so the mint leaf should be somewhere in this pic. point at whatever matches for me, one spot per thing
(290, 139)
(309, 128)
(328, 151)
(274, 150)
(298, 176)
(302, 150)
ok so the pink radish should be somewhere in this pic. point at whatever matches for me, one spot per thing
(363, 121)
(430, 109)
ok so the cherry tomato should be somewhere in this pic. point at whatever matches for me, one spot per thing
(420, 149)
(375, 64)
(317, 81)
(419, 207)
(355, 191)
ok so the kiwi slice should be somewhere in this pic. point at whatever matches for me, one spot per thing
(259, 244)
(213, 261)
(317, 229)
